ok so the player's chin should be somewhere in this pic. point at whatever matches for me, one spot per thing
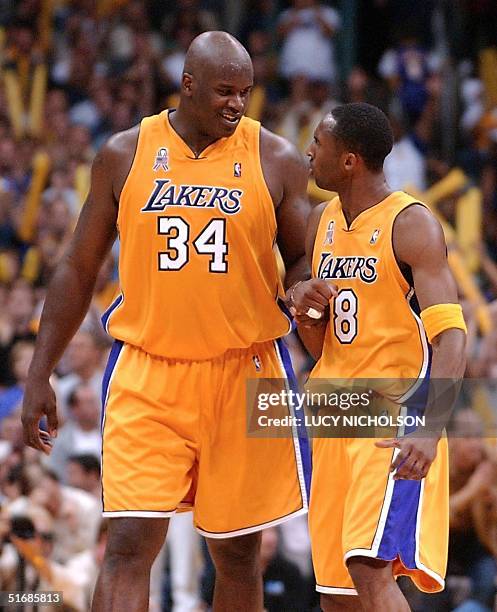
(226, 127)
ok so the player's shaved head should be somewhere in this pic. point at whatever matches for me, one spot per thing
(215, 87)
(216, 53)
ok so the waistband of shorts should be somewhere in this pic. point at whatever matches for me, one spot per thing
(232, 353)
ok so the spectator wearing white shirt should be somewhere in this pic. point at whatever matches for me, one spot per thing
(405, 166)
(306, 31)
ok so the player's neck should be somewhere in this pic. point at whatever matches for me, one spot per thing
(362, 194)
(185, 128)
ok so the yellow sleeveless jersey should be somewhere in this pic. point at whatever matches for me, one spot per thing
(197, 270)
(373, 330)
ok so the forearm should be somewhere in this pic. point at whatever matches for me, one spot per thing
(447, 371)
(313, 338)
(68, 298)
(297, 271)
(449, 354)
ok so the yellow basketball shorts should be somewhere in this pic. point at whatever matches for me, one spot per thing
(174, 438)
(357, 509)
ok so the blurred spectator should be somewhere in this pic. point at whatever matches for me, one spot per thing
(301, 118)
(15, 325)
(11, 398)
(83, 472)
(405, 166)
(306, 31)
(81, 432)
(76, 515)
(84, 364)
(189, 15)
(473, 511)
(284, 588)
(407, 68)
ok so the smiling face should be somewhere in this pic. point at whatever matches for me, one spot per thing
(220, 97)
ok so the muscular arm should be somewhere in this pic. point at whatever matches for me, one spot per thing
(71, 288)
(313, 335)
(286, 174)
(419, 243)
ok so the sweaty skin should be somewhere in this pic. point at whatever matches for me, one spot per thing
(214, 95)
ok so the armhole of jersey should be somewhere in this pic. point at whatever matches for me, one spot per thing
(264, 188)
(134, 163)
(318, 232)
(404, 283)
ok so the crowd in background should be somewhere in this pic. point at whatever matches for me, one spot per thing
(75, 72)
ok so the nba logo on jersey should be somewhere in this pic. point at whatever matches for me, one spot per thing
(237, 169)
(161, 160)
(374, 237)
(257, 362)
(329, 233)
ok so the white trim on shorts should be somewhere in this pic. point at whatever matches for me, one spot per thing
(295, 433)
(335, 590)
(253, 529)
(138, 514)
(436, 577)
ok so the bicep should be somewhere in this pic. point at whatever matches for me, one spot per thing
(293, 212)
(419, 243)
(433, 280)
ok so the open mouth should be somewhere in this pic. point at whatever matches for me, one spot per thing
(230, 119)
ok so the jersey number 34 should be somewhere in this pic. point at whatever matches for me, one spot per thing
(211, 241)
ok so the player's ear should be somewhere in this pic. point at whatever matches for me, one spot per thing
(350, 161)
(186, 83)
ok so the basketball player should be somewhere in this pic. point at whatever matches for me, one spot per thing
(195, 195)
(378, 510)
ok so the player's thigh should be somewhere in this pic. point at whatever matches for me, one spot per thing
(148, 444)
(330, 487)
(245, 481)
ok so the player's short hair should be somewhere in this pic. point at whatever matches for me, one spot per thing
(364, 129)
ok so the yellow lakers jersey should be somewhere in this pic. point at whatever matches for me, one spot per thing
(373, 331)
(197, 271)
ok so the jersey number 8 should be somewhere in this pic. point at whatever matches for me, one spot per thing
(345, 316)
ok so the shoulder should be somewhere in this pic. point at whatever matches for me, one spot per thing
(279, 151)
(121, 144)
(113, 161)
(417, 232)
(317, 213)
(417, 219)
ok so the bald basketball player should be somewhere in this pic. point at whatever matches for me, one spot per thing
(198, 196)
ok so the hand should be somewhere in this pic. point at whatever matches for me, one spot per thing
(311, 294)
(415, 456)
(39, 401)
